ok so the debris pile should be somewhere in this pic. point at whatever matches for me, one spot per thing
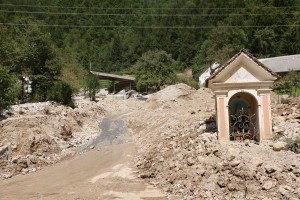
(286, 118)
(39, 134)
(177, 147)
(194, 165)
(179, 152)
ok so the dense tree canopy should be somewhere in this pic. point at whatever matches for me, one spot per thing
(39, 37)
(112, 35)
(9, 88)
(32, 54)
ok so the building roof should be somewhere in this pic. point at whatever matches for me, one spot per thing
(243, 51)
(282, 63)
(113, 77)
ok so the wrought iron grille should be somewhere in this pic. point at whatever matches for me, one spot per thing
(242, 126)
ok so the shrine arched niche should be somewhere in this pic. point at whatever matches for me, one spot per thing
(243, 117)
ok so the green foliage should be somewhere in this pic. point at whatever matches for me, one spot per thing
(264, 43)
(293, 145)
(61, 93)
(116, 53)
(74, 76)
(9, 89)
(189, 81)
(282, 87)
(289, 84)
(105, 83)
(41, 85)
(198, 66)
(92, 86)
(32, 54)
(178, 66)
(194, 37)
(222, 44)
(154, 69)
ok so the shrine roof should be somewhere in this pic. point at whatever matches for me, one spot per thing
(243, 51)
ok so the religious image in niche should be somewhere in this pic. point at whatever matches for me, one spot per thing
(239, 120)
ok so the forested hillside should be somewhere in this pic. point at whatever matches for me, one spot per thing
(39, 37)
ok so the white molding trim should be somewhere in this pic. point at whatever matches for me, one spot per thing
(245, 85)
(263, 91)
(221, 93)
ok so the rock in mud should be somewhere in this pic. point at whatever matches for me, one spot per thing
(278, 146)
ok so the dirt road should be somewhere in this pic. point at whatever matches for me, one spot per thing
(113, 131)
(107, 172)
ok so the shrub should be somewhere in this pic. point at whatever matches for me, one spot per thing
(188, 81)
(293, 145)
(92, 86)
(61, 93)
(289, 84)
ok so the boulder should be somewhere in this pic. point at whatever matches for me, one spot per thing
(283, 191)
(15, 160)
(25, 171)
(235, 163)
(270, 168)
(33, 159)
(257, 161)
(6, 149)
(190, 161)
(268, 185)
(278, 146)
(23, 163)
(278, 130)
(7, 175)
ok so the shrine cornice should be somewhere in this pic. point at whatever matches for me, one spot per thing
(242, 85)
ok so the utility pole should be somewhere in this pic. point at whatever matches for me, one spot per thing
(90, 66)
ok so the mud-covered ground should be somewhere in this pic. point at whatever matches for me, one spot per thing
(169, 140)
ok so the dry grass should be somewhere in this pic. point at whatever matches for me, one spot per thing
(74, 76)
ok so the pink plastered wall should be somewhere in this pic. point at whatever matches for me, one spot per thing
(222, 119)
(267, 134)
